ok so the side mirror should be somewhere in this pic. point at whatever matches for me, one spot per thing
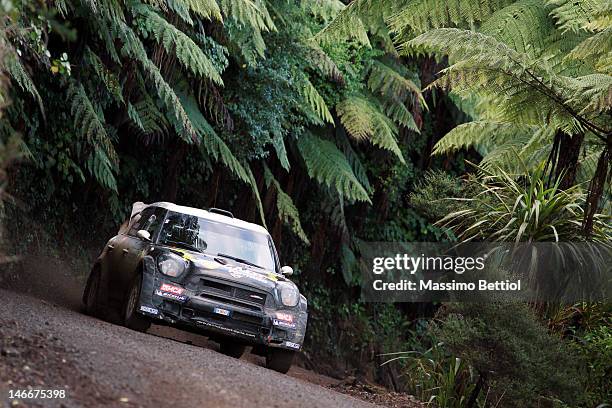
(287, 270)
(144, 234)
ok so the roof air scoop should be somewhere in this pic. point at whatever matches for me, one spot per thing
(221, 212)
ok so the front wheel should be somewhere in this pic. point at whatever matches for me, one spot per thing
(279, 360)
(131, 318)
(232, 349)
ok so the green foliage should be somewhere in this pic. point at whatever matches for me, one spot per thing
(364, 120)
(89, 126)
(523, 209)
(521, 364)
(175, 42)
(327, 165)
(287, 211)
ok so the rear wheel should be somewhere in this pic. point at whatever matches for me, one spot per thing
(131, 318)
(90, 298)
(279, 360)
(231, 348)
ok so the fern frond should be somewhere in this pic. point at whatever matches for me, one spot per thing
(245, 41)
(90, 127)
(17, 72)
(596, 49)
(320, 60)
(398, 112)
(602, 17)
(419, 16)
(281, 151)
(524, 26)
(594, 92)
(287, 211)
(207, 9)
(133, 48)
(211, 143)
(253, 184)
(572, 15)
(359, 169)
(175, 42)
(326, 10)
(364, 120)
(147, 117)
(526, 89)
(483, 136)
(250, 13)
(348, 24)
(108, 78)
(391, 84)
(316, 102)
(326, 164)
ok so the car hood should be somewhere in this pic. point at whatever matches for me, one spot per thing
(203, 265)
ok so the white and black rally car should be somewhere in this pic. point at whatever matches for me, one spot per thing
(202, 271)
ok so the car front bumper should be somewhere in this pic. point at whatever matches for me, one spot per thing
(218, 318)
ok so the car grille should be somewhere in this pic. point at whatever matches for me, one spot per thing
(231, 294)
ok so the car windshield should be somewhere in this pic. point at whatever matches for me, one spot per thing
(218, 239)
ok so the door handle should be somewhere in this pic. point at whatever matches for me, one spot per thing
(110, 247)
(125, 251)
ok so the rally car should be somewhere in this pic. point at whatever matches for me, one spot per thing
(203, 271)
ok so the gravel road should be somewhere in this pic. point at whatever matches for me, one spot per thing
(48, 346)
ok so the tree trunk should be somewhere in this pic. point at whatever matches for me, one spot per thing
(564, 158)
(602, 174)
(170, 191)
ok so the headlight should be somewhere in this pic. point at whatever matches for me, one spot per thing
(289, 295)
(171, 265)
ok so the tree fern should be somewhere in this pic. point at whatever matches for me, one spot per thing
(348, 24)
(572, 15)
(17, 72)
(90, 127)
(287, 212)
(391, 84)
(597, 50)
(133, 48)
(175, 42)
(526, 90)
(207, 9)
(524, 26)
(316, 102)
(210, 143)
(253, 184)
(365, 121)
(326, 164)
(419, 16)
(251, 13)
(107, 77)
(327, 10)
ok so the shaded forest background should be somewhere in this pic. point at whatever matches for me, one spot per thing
(333, 125)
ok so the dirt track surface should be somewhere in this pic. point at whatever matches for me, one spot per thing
(47, 346)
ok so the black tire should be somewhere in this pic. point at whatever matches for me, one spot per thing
(131, 318)
(279, 360)
(231, 348)
(91, 304)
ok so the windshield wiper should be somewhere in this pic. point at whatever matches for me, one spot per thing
(182, 244)
(244, 261)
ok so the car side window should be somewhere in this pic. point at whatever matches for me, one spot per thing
(146, 219)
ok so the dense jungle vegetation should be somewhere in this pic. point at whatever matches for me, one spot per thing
(334, 124)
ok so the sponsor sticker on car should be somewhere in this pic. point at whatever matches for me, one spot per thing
(170, 295)
(281, 323)
(166, 287)
(292, 345)
(148, 309)
(222, 312)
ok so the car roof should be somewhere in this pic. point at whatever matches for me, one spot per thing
(198, 212)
